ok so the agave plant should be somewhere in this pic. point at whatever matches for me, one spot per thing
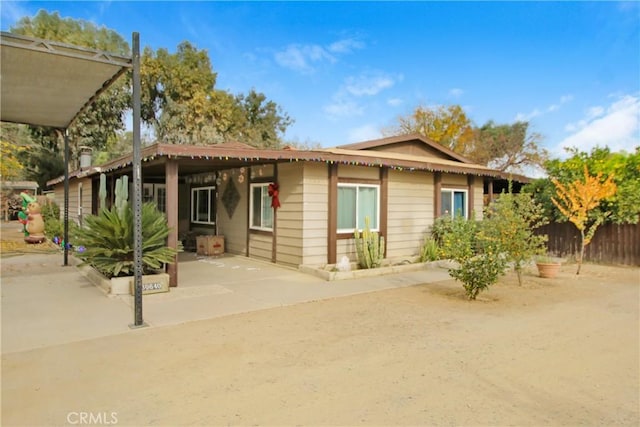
(108, 241)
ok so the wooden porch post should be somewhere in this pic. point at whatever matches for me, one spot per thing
(332, 225)
(384, 204)
(437, 196)
(471, 180)
(171, 182)
(490, 191)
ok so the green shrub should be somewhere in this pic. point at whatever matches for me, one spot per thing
(107, 239)
(509, 223)
(457, 238)
(480, 260)
(479, 272)
(429, 250)
(50, 211)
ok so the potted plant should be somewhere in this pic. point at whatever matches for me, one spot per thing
(547, 267)
(108, 246)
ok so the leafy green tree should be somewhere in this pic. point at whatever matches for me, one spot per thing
(176, 93)
(506, 147)
(447, 125)
(264, 121)
(181, 103)
(509, 222)
(624, 205)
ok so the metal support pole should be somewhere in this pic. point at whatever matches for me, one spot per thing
(137, 187)
(66, 198)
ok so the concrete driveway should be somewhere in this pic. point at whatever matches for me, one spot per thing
(44, 303)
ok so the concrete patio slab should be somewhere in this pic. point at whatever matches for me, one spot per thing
(44, 303)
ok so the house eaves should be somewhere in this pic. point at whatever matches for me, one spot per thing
(223, 154)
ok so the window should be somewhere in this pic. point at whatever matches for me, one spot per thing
(453, 203)
(156, 193)
(355, 203)
(261, 210)
(203, 205)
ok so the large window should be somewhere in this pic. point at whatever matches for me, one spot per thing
(261, 210)
(355, 203)
(454, 203)
(203, 205)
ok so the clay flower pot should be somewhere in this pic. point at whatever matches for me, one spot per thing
(548, 269)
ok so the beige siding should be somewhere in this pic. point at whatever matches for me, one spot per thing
(290, 221)
(458, 180)
(74, 194)
(410, 211)
(478, 200)
(346, 247)
(358, 172)
(315, 209)
(234, 228)
(260, 246)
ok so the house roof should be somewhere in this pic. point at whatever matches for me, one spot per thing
(47, 83)
(19, 185)
(389, 141)
(233, 155)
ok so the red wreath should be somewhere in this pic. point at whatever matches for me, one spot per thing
(273, 193)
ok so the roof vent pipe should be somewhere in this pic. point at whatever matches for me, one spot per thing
(85, 157)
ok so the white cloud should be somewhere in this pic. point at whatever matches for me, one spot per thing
(345, 46)
(344, 101)
(301, 57)
(525, 117)
(343, 108)
(565, 98)
(395, 102)
(364, 133)
(368, 84)
(617, 127)
(304, 57)
(456, 92)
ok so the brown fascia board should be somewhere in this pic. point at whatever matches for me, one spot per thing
(252, 155)
(374, 143)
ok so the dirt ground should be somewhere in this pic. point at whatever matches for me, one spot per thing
(562, 351)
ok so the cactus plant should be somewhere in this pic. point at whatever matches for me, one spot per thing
(369, 247)
(102, 192)
(122, 193)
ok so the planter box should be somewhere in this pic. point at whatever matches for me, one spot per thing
(330, 273)
(210, 245)
(151, 283)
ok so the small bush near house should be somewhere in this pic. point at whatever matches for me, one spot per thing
(456, 238)
(481, 261)
(429, 250)
(479, 272)
(509, 223)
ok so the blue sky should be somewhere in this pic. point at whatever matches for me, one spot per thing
(344, 71)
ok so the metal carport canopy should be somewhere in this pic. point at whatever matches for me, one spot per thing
(47, 83)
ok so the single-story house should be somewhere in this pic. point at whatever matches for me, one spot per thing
(401, 183)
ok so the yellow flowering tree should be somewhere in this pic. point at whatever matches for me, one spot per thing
(578, 199)
(10, 166)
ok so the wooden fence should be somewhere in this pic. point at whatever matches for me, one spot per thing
(612, 243)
